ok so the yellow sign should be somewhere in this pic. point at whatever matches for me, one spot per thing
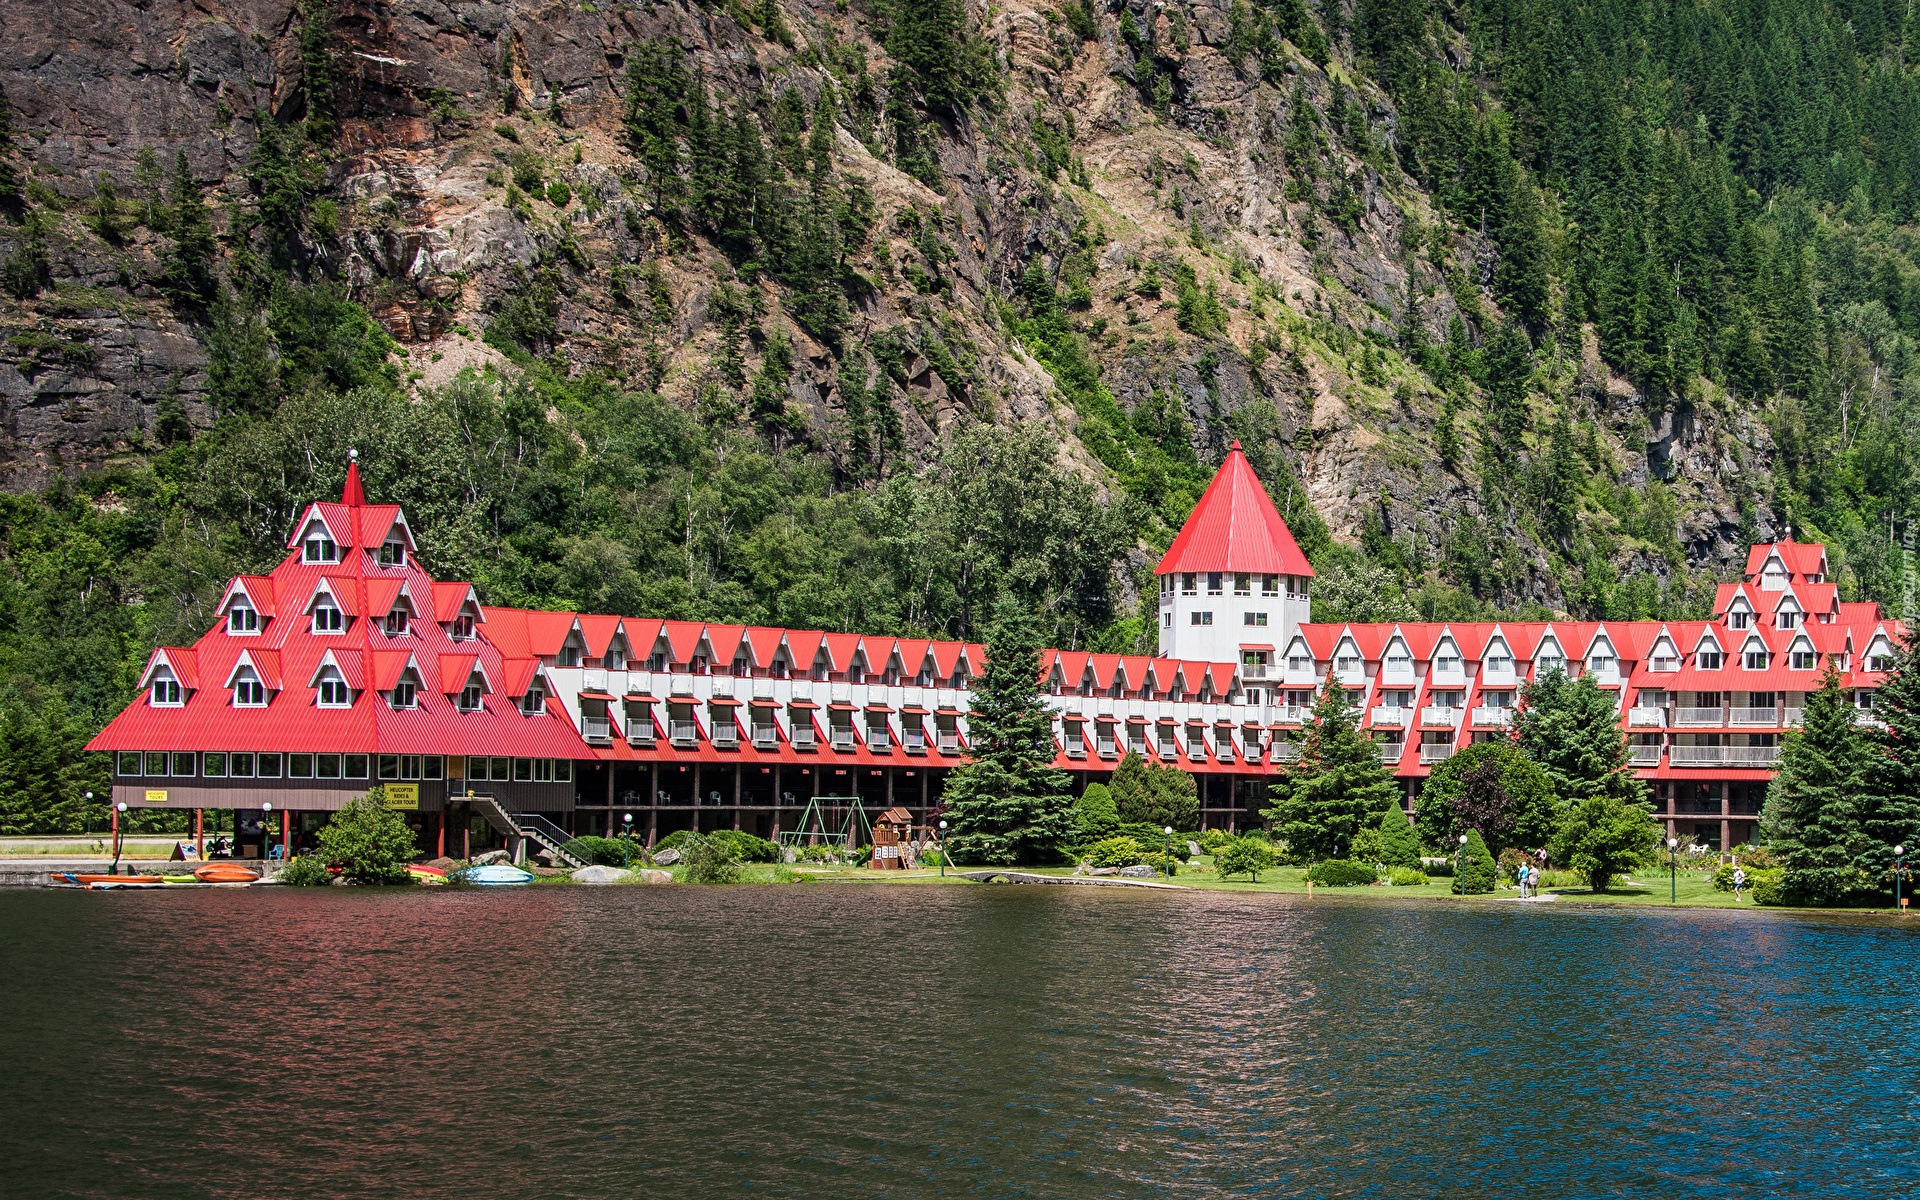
(403, 795)
(156, 797)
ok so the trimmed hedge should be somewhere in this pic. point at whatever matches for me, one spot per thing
(1342, 872)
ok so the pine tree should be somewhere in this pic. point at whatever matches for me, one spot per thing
(1007, 802)
(186, 267)
(1478, 873)
(1399, 845)
(1338, 786)
(9, 174)
(1890, 792)
(1571, 729)
(1095, 813)
(1812, 815)
(657, 93)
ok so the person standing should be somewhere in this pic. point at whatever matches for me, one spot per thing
(1739, 881)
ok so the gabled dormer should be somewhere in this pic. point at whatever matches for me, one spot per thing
(1801, 656)
(1665, 655)
(330, 605)
(319, 542)
(170, 677)
(1708, 653)
(247, 605)
(1879, 656)
(1448, 666)
(574, 648)
(394, 548)
(1396, 659)
(457, 610)
(1348, 663)
(254, 679)
(1787, 613)
(331, 687)
(1739, 614)
(1548, 656)
(464, 680)
(1754, 655)
(1603, 661)
(1496, 662)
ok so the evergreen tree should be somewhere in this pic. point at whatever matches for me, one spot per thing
(1490, 787)
(657, 96)
(1398, 845)
(1152, 794)
(9, 174)
(1007, 802)
(1338, 786)
(1571, 729)
(1478, 873)
(1890, 791)
(1096, 814)
(187, 266)
(1812, 816)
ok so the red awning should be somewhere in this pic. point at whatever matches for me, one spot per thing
(1255, 646)
(1136, 720)
(764, 703)
(595, 694)
(639, 698)
(841, 706)
(723, 701)
(802, 704)
(914, 710)
(879, 708)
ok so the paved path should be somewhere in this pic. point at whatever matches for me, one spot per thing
(1094, 881)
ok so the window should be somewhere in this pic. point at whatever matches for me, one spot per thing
(1863, 699)
(396, 622)
(570, 657)
(1802, 660)
(1214, 581)
(334, 693)
(1708, 660)
(500, 767)
(1347, 662)
(658, 662)
(1879, 662)
(403, 695)
(1188, 584)
(240, 765)
(1243, 584)
(356, 765)
(534, 702)
(1253, 618)
(268, 765)
(1500, 663)
(563, 770)
(1299, 662)
(183, 763)
(327, 619)
(1786, 620)
(393, 554)
(300, 766)
(166, 692)
(213, 765)
(433, 767)
(389, 767)
(249, 693)
(1166, 620)
(1756, 660)
(1739, 619)
(1269, 585)
(156, 762)
(741, 667)
(242, 619)
(1448, 659)
(460, 628)
(1665, 660)
(129, 762)
(470, 698)
(1400, 660)
(1200, 618)
(326, 766)
(320, 550)
(1602, 664)
(543, 770)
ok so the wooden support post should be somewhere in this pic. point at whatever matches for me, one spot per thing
(653, 802)
(466, 835)
(441, 852)
(286, 835)
(199, 835)
(696, 796)
(610, 771)
(736, 797)
(775, 830)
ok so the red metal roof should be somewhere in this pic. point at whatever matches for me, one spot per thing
(840, 648)
(1235, 527)
(765, 643)
(598, 632)
(725, 640)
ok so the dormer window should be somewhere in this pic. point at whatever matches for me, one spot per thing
(393, 554)
(1787, 618)
(470, 698)
(1756, 660)
(242, 619)
(396, 623)
(534, 702)
(1447, 658)
(1801, 660)
(404, 696)
(248, 691)
(1499, 659)
(320, 549)
(1709, 660)
(460, 628)
(334, 692)
(165, 692)
(1601, 663)
(1739, 618)
(327, 618)
(570, 655)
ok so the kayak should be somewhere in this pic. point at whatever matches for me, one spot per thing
(126, 884)
(119, 880)
(431, 872)
(180, 879)
(498, 875)
(225, 873)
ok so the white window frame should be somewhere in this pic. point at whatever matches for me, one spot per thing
(388, 623)
(319, 549)
(243, 620)
(472, 699)
(327, 619)
(405, 696)
(164, 692)
(393, 554)
(332, 691)
(249, 691)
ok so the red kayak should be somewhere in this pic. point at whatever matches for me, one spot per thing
(122, 880)
(225, 873)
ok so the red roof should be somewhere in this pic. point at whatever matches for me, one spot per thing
(765, 643)
(598, 631)
(1235, 527)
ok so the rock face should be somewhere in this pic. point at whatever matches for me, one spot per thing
(433, 100)
(648, 875)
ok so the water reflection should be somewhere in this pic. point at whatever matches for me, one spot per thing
(892, 1041)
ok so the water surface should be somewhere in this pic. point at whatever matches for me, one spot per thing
(869, 1041)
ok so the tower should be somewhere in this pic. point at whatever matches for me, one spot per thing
(1234, 585)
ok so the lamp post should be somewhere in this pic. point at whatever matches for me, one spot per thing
(1899, 854)
(1460, 866)
(1168, 850)
(943, 849)
(266, 835)
(1673, 871)
(119, 812)
(626, 849)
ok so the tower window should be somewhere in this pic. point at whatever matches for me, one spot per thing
(1201, 618)
(320, 550)
(1189, 583)
(1253, 618)
(242, 619)
(327, 619)
(1214, 581)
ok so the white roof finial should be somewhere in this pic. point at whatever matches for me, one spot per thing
(353, 455)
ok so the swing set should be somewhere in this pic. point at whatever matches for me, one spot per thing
(821, 814)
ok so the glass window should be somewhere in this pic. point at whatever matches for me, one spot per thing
(249, 693)
(356, 766)
(1214, 580)
(396, 623)
(241, 765)
(300, 766)
(389, 766)
(523, 770)
(393, 554)
(470, 699)
(403, 695)
(166, 691)
(501, 769)
(563, 770)
(1188, 583)
(543, 770)
(1242, 584)
(1253, 618)
(241, 619)
(326, 766)
(335, 694)
(320, 550)
(129, 762)
(213, 765)
(269, 765)
(1270, 585)
(534, 702)
(327, 619)
(183, 763)
(434, 767)
(461, 628)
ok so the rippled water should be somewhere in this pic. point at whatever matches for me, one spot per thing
(867, 1040)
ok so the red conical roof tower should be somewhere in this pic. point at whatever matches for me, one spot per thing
(1235, 527)
(352, 495)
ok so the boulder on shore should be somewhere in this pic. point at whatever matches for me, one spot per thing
(667, 857)
(1139, 871)
(645, 875)
(598, 874)
(487, 858)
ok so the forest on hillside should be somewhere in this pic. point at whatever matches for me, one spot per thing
(1714, 197)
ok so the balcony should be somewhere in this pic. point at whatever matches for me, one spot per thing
(949, 742)
(1168, 748)
(683, 733)
(1291, 714)
(726, 736)
(596, 729)
(1076, 747)
(766, 737)
(1767, 717)
(1197, 750)
(640, 731)
(880, 741)
(1792, 716)
(804, 737)
(1286, 752)
(1724, 756)
(1439, 716)
(1106, 747)
(1389, 752)
(1492, 716)
(914, 740)
(1699, 716)
(1254, 670)
(1137, 746)
(1389, 714)
(1647, 718)
(842, 736)
(1433, 752)
(1644, 756)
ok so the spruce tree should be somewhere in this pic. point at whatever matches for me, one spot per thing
(1008, 803)
(1095, 813)
(1478, 873)
(186, 268)
(1890, 792)
(1337, 788)
(1399, 845)
(1812, 816)
(1571, 729)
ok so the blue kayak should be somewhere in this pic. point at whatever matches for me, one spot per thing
(498, 875)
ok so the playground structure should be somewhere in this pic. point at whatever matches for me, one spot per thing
(833, 820)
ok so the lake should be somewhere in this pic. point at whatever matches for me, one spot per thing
(855, 1040)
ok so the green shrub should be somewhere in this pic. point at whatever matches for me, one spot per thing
(559, 194)
(707, 861)
(1479, 874)
(1245, 856)
(1723, 879)
(605, 851)
(1560, 879)
(1438, 870)
(1767, 887)
(1341, 872)
(1150, 837)
(1213, 839)
(507, 131)
(1114, 852)
(305, 871)
(368, 841)
(527, 171)
(745, 847)
(1409, 877)
(1399, 844)
(1510, 862)
(1095, 812)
